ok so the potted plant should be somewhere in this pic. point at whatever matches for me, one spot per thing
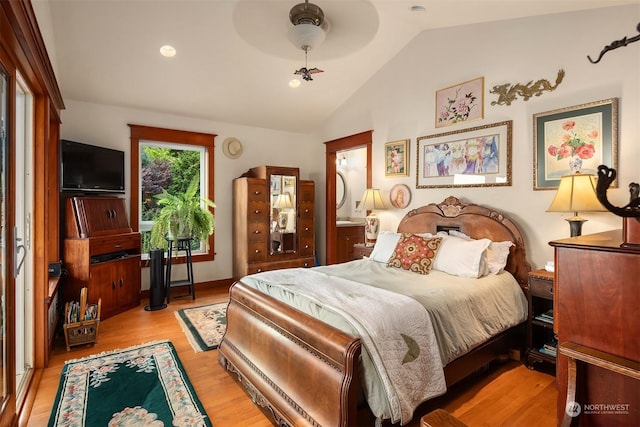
(182, 216)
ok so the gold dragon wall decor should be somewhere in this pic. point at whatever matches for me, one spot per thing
(507, 93)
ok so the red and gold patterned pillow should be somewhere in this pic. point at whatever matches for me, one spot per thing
(415, 253)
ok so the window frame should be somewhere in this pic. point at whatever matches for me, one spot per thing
(178, 137)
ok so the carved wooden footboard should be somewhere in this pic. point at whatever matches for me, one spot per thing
(300, 369)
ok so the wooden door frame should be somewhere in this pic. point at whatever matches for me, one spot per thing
(358, 140)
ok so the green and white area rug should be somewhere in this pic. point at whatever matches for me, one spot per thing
(139, 386)
(204, 326)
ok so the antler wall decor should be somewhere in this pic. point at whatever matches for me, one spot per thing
(507, 93)
(616, 44)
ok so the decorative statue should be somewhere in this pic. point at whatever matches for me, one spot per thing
(508, 93)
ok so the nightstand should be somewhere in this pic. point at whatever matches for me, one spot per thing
(360, 250)
(541, 341)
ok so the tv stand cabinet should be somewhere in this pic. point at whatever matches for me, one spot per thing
(102, 253)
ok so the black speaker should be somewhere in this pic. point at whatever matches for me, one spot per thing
(156, 280)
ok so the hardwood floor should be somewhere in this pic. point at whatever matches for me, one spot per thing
(507, 395)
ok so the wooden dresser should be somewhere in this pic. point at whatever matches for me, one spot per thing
(597, 312)
(102, 253)
(258, 244)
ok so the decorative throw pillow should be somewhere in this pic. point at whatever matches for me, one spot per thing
(462, 257)
(415, 253)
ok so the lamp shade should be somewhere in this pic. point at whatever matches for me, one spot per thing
(283, 201)
(372, 199)
(576, 193)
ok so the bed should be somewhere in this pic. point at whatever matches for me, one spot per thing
(305, 370)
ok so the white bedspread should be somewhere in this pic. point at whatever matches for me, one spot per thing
(400, 340)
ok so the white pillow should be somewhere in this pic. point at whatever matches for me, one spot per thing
(384, 247)
(462, 257)
(497, 254)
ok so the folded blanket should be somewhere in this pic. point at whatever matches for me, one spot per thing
(395, 330)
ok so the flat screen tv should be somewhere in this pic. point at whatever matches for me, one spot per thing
(89, 168)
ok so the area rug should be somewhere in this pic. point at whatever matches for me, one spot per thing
(204, 326)
(144, 385)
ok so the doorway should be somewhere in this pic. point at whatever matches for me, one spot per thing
(363, 139)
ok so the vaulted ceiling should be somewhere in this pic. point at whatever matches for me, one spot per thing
(234, 61)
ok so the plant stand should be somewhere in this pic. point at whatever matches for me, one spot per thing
(182, 244)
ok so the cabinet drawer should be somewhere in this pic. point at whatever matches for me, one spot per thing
(257, 191)
(306, 247)
(541, 288)
(306, 228)
(105, 245)
(257, 231)
(257, 211)
(269, 266)
(257, 251)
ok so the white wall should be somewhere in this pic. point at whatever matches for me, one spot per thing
(398, 103)
(107, 126)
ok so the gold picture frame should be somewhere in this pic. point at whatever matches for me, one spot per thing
(473, 157)
(396, 158)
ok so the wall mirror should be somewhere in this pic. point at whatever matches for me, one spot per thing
(283, 213)
(341, 189)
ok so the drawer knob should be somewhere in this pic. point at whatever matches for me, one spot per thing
(257, 211)
(257, 193)
(257, 251)
(306, 211)
(259, 270)
(306, 246)
(256, 232)
(306, 229)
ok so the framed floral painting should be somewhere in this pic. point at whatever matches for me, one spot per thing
(460, 103)
(578, 138)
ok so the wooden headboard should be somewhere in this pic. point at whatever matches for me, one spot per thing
(475, 221)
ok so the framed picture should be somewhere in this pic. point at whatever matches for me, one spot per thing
(578, 138)
(474, 157)
(396, 158)
(400, 196)
(460, 103)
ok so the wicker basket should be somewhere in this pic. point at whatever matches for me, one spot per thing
(85, 331)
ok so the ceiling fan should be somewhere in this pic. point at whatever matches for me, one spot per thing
(306, 33)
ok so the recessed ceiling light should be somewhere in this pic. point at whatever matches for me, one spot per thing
(167, 51)
(417, 8)
(294, 83)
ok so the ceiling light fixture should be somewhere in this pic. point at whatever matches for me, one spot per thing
(168, 51)
(307, 32)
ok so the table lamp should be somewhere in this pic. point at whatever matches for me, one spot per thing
(371, 199)
(575, 193)
(283, 203)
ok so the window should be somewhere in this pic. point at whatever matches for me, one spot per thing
(166, 159)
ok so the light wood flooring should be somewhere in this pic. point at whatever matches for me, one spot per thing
(507, 395)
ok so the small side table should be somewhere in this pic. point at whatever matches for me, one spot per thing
(360, 250)
(541, 341)
(182, 244)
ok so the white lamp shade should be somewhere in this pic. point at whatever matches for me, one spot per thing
(308, 35)
(283, 201)
(576, 193)
(372, 199)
